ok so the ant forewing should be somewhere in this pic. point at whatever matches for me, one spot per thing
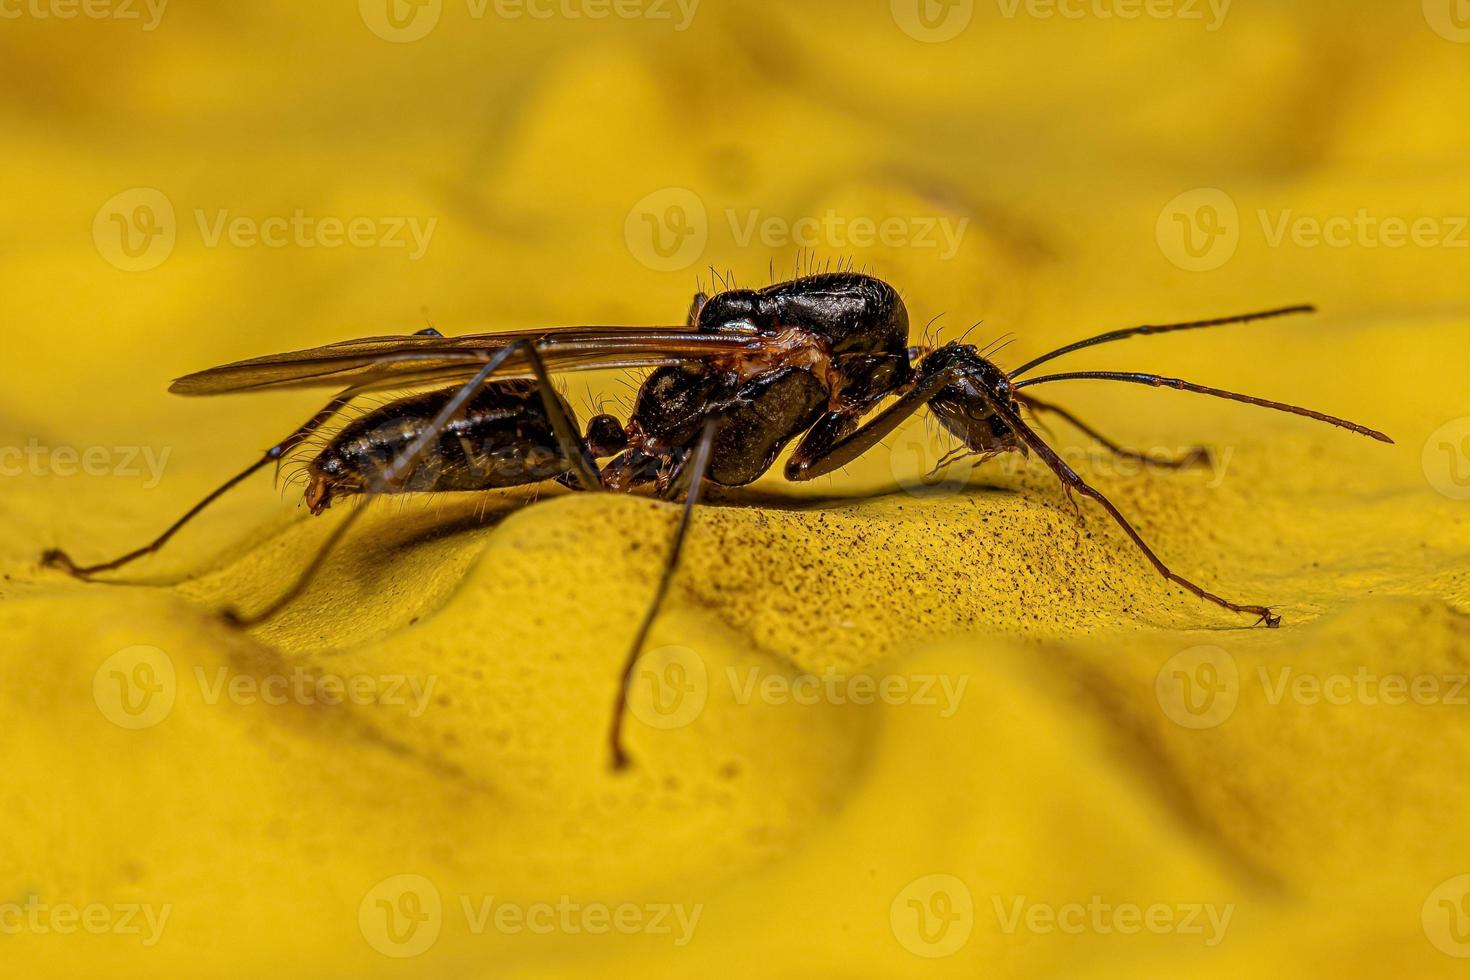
(808, 360)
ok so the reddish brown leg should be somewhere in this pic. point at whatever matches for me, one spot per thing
(1198, 456)
(56, 558)
(1071, 481)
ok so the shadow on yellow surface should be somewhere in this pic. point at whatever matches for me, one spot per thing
(892, 724)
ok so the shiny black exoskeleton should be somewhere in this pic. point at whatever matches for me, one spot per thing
(844, 348)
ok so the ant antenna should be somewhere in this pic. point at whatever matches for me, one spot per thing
(1112, 335)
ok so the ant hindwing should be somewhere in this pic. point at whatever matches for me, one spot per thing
(809, 361)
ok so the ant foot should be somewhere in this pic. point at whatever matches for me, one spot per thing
(58, 559)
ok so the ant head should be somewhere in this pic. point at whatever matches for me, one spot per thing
(960, 406)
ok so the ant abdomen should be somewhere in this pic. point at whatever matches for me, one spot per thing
(502, 439)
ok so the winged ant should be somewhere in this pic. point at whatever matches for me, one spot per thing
(809, 359)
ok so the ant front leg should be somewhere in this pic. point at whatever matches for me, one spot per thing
(56, 558)
(1071, 481)
(837, 439)
(1197, 456)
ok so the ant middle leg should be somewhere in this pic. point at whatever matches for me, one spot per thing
(57, 558)
(1196, 456)
(697, 469)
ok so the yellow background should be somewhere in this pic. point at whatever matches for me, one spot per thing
(1078, 769)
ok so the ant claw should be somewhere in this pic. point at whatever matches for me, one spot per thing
(233, 617)
(1271, 620)
(58, 559)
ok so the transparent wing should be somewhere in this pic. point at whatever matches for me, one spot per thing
(385, 361)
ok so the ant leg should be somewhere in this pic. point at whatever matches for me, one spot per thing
(698, 468)
(834, 442)
(235, 618)
(573, 447)
(1071, 481)
(56, 558)
(1198, 456)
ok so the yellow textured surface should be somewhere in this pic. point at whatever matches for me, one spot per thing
(1116, 749)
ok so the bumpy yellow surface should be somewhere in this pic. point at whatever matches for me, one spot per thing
(1074, 771)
